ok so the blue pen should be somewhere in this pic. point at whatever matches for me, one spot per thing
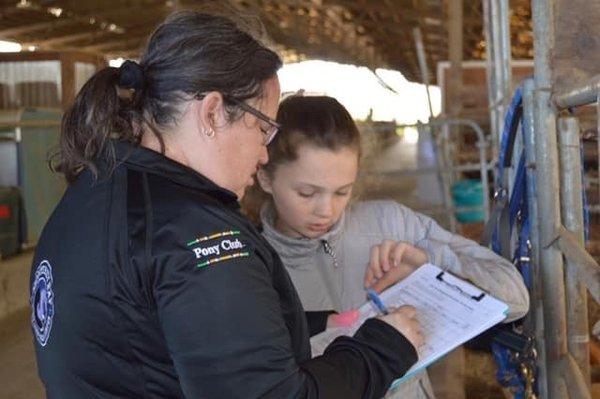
(376, 300)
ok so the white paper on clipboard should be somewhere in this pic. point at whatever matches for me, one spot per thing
(450, 310)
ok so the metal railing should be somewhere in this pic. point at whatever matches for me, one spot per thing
(497, 38)
(570, 237)
(446, 170)
(561, 301)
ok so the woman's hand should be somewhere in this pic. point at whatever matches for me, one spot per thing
(404, 319)
(390, 262)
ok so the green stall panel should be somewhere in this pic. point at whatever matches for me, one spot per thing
(10, 240)
(27, 137)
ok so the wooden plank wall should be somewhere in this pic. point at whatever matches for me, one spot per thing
(576, 55)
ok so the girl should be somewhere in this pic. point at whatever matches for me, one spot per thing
(332, 250)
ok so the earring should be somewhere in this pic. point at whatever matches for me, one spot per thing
(209, 132)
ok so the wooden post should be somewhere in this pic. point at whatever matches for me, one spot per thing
(448, 375)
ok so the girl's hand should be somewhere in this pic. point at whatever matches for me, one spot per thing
(390, 262)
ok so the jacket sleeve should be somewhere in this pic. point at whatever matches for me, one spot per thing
(363, 366)
(468, 260)
(317, 321)
(224, 328)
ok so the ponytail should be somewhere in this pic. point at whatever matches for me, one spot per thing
(97, 115)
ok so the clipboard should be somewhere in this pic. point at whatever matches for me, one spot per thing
(450, 310)
(478, 297)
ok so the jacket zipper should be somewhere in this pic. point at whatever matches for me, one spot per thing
(329, 251)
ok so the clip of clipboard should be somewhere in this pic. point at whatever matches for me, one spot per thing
(477, 298)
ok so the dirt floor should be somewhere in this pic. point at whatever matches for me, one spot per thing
(18, 375)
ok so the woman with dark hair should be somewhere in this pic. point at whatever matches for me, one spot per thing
(333, 248)
(147, 281)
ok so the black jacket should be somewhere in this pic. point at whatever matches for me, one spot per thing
(148, 283)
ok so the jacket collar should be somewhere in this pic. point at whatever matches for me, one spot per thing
(146, 160)
(294, 251)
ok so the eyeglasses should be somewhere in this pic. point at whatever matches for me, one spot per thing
(269, 133)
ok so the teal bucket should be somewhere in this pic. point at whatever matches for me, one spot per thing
(468, 193)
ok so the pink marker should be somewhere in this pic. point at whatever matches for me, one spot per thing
(344, 319)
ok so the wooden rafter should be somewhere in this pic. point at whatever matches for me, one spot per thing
(109, 45)
(83, 19)
(375, 33)
(32, 28)
(54, 41)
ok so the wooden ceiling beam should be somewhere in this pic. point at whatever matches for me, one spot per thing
(112, 45)
(99, 34)
(126, 53)
(326, 51)
(57, 41)
(82, 19)
(405, 6)
(30, 28)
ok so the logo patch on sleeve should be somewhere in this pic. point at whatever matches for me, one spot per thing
(42, 302)
(218, 247)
